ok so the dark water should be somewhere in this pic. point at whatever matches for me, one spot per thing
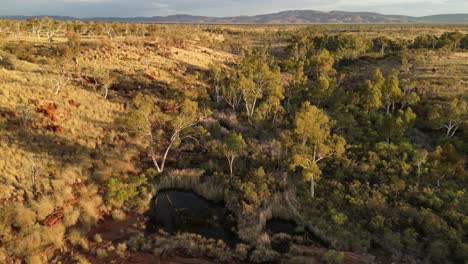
(275, 225)
(181, 211)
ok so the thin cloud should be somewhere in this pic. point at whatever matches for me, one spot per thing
(125, 8)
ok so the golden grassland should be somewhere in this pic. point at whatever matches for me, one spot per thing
(88, 150)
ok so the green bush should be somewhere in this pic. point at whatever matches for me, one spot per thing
(129, 191)
(136, 242)
(101, 253)
(333, 257)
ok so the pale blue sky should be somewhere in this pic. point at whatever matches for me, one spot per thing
(124, 8)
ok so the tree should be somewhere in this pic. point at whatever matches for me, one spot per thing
(464, 42)
(391, 92)
(419, 158)
(34, 172)
(300, 46)
(271, 107)
(378, 78)
(35, 25)
(15, 28)
(216, 76)
(395, 125)
(163, 131)
(371, 92)
(450, 116)
(108, 29)
(298, 82)
(102, 79)
(450, 40)
(312, 141)
(446, 163)
(323, 89)
(61, 80)
(409, 95)
(258, 79)
(233, 146)
(50, 27)
(370, 96)
(425, 41)
(397, 185)
(232, 91)
(321, 64)
(380, 44)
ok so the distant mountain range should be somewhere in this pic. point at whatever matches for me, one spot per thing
(286, 17)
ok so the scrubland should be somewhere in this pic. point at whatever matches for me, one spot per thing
(342, 129)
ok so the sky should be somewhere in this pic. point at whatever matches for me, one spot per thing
(219, 8)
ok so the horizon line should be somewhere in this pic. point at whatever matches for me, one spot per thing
(208, 16)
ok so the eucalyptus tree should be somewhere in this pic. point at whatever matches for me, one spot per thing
(231, 90)
(162, 131)
(51, 27)
(321, 64)
(419, 159)
(233, 145)
(311, 141)
(391, 93)
(259, 79)
(35, 25)
(409, 95)
(449, 117)
(216, 77)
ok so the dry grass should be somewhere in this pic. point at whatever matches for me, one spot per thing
(443, 74)
(191, 180)
(446, 72)
(58, 157)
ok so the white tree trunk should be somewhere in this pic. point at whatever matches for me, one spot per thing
(231, 165)
(312, 188)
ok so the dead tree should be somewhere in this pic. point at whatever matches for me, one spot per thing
(61, 81)
(34, 172)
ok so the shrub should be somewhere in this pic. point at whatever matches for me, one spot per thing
(301, 260)
(24, 216)
(89, 214)
(118, 215)
(44, 207)
(80, 259)
(97, 238)
(101, 253)
(241, 251)
(28, 244)
(136, 242)
(122, 247)
(333, 257)
(53, 235)
(22, 50)
(36, 259)
(84, 245)
(71, 216)
(74, 236)
(127, 191)
(6, 63)
(260, 255)
(63, 194)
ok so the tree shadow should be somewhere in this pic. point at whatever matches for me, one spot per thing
(47, 143)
